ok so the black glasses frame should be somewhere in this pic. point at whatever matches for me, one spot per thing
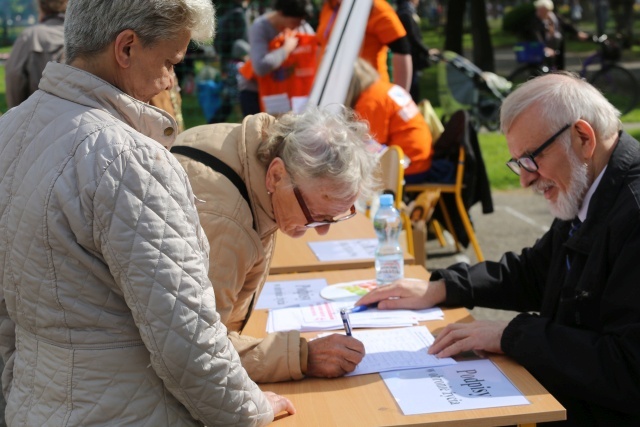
(516, 164)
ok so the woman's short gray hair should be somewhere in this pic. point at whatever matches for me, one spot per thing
(324, 144)
(564, 98)
(90, 25)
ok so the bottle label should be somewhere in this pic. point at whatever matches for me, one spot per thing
(389, 270)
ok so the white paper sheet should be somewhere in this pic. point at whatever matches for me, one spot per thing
(341, 250)
(299, 103)
(472, 384)
(392, 349)
(277, 104)
(291, 293)
(326, 317)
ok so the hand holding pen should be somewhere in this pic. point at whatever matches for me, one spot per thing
(335, 354)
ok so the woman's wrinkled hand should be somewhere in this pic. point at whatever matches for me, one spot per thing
(333, 356)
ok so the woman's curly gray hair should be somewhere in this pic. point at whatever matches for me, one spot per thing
(324, 144)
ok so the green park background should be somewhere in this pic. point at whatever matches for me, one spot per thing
(493, 144)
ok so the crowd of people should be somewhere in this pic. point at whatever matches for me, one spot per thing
(132, 252)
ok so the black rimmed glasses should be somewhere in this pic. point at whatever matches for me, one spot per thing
(312, 223)
(527, 162)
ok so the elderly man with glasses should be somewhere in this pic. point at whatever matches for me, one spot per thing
(578, 286)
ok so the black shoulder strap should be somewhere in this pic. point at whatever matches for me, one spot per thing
(217, 165)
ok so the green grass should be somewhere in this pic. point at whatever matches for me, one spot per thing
(495, 155)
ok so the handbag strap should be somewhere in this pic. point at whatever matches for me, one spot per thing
(219, 166)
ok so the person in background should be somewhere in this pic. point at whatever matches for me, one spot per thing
(107, 316)
(299, 172)
(286, 18)
(393, 117)
(232, 26)
(384, 31)
(577, 287)
(550, 29)
(31, 51)
(232, 29)
(419, 51)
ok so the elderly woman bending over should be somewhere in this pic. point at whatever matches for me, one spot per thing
(300, 172)
(107, 314)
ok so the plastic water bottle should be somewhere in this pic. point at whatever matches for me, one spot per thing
(389, 259)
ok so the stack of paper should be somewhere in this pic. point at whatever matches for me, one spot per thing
(341, 250)
(291, 293)
(397, 349)
(326, 316)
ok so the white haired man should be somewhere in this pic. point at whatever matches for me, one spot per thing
(581, 277)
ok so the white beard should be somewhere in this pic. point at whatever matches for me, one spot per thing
(568, 204)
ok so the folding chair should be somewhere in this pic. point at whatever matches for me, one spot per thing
(451, 145)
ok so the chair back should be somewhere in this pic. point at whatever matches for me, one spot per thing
(452, 137)
(392, 173)
(392, 177)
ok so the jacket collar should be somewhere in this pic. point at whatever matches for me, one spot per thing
(254, 132)
(625, 155)
(81, 87)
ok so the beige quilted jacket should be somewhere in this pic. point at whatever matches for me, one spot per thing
(104, 270)
(241, 255)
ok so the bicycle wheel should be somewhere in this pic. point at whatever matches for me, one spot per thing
(618, 85)
(524, 73)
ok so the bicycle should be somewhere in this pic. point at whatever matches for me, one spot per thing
(615, 82)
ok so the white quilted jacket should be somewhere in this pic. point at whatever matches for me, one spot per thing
(104, 270)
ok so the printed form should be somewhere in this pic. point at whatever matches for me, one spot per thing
(396, 349)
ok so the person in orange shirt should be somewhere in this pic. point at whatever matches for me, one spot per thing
(393, 117)
(384, 31)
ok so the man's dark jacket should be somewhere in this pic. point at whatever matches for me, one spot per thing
(584, 346)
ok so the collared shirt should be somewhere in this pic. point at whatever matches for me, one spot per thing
(582, 213)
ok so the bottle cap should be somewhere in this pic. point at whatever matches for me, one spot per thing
(386, 200)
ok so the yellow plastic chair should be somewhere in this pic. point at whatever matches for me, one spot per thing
(454, 188)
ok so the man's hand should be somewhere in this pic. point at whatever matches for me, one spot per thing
(409, 294)
(333, 356)
(479, 336)
(279, 403)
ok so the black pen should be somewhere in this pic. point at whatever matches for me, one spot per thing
(344, 314)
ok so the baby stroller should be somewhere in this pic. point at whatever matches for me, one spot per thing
(464, 86)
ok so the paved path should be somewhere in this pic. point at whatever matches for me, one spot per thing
(505, 60)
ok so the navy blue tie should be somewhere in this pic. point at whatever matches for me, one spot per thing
(575, 225)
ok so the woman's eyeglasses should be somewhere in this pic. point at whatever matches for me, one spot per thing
(312, 223)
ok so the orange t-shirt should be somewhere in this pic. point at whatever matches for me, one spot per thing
(383, 27)
(394, 119)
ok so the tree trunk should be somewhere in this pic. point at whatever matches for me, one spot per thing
(455, 24)
(482, 46)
